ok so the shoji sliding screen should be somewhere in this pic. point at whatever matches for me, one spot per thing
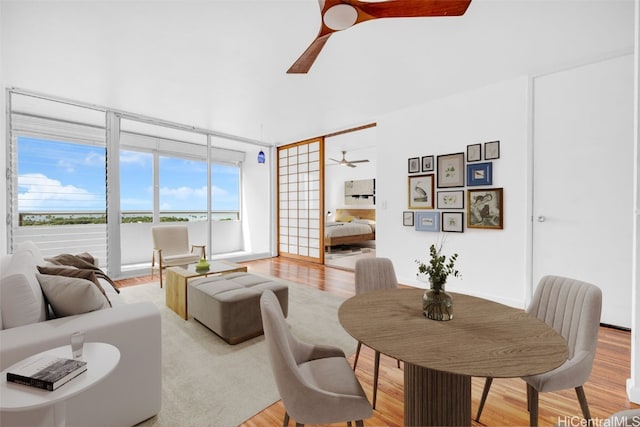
(301, 200)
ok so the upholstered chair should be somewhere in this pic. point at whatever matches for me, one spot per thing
(316, 383)
(627, 418)
(572, 308)
(171, 248)
(373, 274)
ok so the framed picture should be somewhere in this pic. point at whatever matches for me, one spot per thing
(479, 174)
(484, 208)
(492, 150)
(421, 192)
(451, 199)
(428, 221)
(407, 218)
(451, 170)
(453, 222)
(427, 163)
(414, 165)
(474, 153)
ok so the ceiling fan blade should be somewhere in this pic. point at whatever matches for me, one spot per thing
(337, 161)
(412, 8)
(350, 165)
(308, 57)
(358, 161)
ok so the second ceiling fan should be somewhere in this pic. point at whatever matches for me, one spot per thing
(349, 163)
(338, 15)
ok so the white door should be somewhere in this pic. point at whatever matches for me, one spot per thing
(583, 180)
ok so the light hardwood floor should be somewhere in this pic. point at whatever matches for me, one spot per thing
(506, 404)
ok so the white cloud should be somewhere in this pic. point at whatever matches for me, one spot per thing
(184, 193)
(37, 192)
(135, 158)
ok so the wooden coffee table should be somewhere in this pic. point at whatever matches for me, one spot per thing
(177, 278)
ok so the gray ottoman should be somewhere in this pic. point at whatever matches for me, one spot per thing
(229, 305)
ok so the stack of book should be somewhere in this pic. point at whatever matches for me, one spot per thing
(45, 371)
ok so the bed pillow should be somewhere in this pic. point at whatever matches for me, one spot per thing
(369, 222)
(70, 295)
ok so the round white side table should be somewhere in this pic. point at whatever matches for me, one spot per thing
(101, 360)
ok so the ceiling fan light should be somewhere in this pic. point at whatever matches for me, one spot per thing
(340, 17)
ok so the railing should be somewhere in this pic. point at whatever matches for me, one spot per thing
(28, 219)
(76, 232)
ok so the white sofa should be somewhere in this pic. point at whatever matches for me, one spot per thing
(129, 395)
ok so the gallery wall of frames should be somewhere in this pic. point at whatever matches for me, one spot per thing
(447, 191)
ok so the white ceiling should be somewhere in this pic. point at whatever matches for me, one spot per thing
(221, 64)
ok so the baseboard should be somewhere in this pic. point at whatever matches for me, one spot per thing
(620, 328)
(633, 391)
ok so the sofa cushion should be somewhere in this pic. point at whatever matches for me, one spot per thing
(22, 262)
(70, 295)
(77, 273)
(19, 305)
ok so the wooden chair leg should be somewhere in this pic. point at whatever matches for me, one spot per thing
(533, 406)
(160, 268)
(485, 393)
(359, 423)
(153, 263)
(285, 423)
(582, 398)
(355, 362)
(376, 370)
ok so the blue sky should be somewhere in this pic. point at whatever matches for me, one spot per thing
(58, 176)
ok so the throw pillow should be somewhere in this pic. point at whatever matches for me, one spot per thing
(75, 272)
(18, 304)
(71, 295)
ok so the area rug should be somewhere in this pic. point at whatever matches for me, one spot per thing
(347, 259)
(207, 382)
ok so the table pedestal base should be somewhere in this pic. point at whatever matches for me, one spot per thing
(435, 398)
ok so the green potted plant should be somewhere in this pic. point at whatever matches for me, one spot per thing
(436, 303)
(438, 268)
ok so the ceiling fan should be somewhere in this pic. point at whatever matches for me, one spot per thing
(350, 163)
(338, 15)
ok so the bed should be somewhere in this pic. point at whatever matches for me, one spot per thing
(350, 226)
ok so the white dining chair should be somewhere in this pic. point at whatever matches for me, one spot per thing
(572, 308)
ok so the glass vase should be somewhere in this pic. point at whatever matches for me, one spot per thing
(437, 304)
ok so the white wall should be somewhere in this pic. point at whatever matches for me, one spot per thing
(3, 158)
(256, 201)
(492, 262)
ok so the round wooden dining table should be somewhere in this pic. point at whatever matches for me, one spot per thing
(484, 339)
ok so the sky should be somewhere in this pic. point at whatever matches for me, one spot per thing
(60, 176)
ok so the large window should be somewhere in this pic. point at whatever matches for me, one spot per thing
(136, 186)
(183, 189)
(60, 183)
(225, 192)
(86, 179)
